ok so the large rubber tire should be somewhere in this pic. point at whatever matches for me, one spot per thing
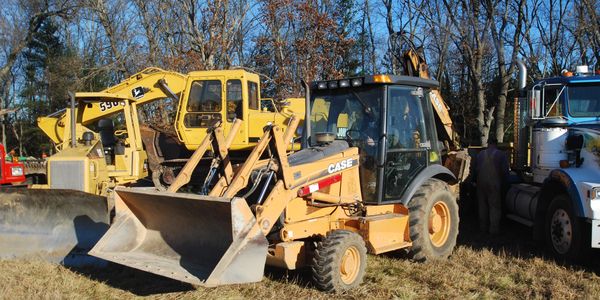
(339, 261)
(563, 230)
(433, 221)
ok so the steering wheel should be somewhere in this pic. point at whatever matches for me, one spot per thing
(353, 135)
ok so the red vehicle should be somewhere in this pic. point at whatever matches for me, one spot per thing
(10, 172)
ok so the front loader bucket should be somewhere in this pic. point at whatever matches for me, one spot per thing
(197, 239)
(59, 226)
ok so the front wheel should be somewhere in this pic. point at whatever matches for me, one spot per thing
(563, 229)
(433, 221)
(339, 261)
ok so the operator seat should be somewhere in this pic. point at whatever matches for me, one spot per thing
(106, 129)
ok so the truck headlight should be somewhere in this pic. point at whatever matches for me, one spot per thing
(595, 193)
(16, 171)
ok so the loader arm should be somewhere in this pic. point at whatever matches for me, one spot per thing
(147, 86)
(221, 144)
(237, 251)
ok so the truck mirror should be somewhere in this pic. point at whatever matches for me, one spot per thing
(535, 103)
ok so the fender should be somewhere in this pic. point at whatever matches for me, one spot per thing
(565, 180)
(432, 171)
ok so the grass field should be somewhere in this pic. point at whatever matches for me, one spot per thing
(510, 266)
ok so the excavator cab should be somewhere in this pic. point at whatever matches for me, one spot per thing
(390, 120)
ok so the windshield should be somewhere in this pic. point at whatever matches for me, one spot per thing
(346, 113)
(352, 115)
(584, 100)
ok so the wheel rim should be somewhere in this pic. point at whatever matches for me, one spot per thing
(561, 231)
(350, 265)
(439, 223)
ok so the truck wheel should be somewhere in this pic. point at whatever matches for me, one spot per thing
(339, 261)
(563, 229)
(433, 215)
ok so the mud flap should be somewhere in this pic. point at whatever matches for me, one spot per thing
(197, 239)
(59, 226)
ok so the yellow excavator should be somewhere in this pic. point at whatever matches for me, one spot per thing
(202, 98)
(94, 154)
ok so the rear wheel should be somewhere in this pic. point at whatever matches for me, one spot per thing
(433, 214)
(563, 229)
(339, 261)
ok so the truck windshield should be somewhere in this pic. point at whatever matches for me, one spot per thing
(348, 113)
(584, 100)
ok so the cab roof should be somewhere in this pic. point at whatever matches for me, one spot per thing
(571, 79)
(383, 79)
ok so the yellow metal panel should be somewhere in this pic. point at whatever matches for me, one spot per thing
(386, 209)
(289, 255)
(298, 210)
(307, 228)
(384, 233)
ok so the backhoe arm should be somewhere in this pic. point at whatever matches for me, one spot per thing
(147, 86)
(414, 64)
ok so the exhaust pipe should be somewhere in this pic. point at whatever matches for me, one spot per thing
(522, 75)
(306, 131)
(73, 124)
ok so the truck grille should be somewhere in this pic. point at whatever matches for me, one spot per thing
(67, 175)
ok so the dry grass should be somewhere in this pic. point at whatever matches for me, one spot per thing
(508, 267)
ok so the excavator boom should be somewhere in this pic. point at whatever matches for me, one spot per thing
(147, 86)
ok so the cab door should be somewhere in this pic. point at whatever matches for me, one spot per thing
(201, 108)
(236, 108)
(408, 140)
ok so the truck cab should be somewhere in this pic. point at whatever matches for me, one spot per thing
(10, 172)
(558, 155)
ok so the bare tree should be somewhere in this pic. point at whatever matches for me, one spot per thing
(505, 14)
(16, 16)
(470, 28)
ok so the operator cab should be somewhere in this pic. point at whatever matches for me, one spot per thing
(389, 118)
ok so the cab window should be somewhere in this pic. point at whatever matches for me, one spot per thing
(205, 96)
(234, 100)
(406, 126)
(552, 105)
(253, 95)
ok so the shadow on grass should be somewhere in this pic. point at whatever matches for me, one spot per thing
(301, 277)
(515, 240)
(135, 281)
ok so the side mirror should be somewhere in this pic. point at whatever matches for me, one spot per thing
(536, 103)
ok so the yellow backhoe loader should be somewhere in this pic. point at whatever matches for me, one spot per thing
(369, 179)
(94, 155)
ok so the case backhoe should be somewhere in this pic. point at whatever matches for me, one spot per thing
(369, 179)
